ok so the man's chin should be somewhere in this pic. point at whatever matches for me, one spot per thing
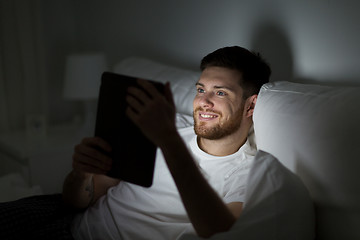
(212, 133)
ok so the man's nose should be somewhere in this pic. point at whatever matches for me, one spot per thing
(207, 100)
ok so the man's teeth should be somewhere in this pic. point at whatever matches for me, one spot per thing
(207, 116)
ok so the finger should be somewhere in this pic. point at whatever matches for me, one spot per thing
(139, 94)
(80, 161)
(93, 162)
(132, 114)
(134, 103)
(87, 168)
(93, 153)
(149, 87)
(97, 142)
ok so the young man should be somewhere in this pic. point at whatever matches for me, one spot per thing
(200, 175)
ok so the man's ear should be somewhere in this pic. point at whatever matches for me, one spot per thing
(250, 105)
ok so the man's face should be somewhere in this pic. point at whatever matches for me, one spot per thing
(218, 105)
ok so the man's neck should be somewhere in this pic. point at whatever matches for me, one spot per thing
(222, 147)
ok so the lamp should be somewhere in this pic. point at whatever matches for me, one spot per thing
(82, 81)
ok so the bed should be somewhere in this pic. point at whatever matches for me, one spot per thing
(305, 185)
(312, 130)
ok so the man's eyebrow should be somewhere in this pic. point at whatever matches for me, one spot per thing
(224, 87)
(216, 87)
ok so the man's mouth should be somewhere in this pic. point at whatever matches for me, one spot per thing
(207, 116)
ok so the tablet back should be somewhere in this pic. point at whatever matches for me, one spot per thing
(133, 153)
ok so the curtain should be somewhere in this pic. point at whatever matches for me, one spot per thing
(22, 65)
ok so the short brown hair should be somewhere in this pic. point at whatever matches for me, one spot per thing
(253, 68)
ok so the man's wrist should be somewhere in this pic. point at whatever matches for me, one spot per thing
(168, 138)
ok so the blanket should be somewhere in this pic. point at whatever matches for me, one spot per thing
(36, 217)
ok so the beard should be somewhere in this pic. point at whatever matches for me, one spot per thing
(220, 129)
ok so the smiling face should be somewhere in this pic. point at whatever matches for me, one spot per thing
(218, 104)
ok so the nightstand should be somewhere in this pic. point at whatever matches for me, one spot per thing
(48, 161)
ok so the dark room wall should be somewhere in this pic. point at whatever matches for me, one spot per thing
(304, 41)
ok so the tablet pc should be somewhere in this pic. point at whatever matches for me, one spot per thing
(132, 152)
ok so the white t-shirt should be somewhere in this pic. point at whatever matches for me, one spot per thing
(132, 212)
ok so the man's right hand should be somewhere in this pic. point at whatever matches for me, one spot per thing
(87, 182)
(92, 156)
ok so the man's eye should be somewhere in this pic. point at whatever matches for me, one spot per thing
(221, 93)
(200, 90)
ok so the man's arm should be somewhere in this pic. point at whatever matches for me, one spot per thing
(155, 115)
(82, 190)
(206, 210)
(86, 183)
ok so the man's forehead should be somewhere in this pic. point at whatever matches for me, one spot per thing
(221, 72)
(219, 77)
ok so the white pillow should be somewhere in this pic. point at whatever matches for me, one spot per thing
(314, 130)
(277, 205)
(182, 81)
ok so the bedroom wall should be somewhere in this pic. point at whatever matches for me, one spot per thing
(304, 41)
